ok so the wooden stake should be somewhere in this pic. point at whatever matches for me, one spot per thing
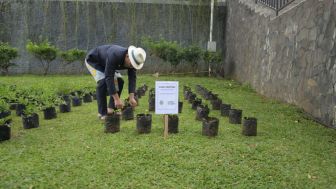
(165, 133)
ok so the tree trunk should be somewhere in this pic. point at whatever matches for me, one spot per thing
(46, 68)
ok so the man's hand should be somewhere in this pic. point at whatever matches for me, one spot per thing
(132, 100)
(117, 102)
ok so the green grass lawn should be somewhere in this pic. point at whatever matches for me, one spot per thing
(72, 151)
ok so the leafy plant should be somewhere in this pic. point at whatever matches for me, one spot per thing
(6, 93)
(7, 54)
(212, 57)
(168, 51)
(3, 106)
(63, 89)
(86, 90)
(5, 121)
(22, 100)
(72, 55)
(59, 100)
(192, 55)
(30, 110)
(77, 93)
(47, 101)
(43, 51)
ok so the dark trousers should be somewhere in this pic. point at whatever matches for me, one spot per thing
(101, 94)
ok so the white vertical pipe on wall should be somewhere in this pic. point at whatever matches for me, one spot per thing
(211, 18)
(211, 27)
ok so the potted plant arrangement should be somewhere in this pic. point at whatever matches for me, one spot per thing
(87, 97)
(249, 126)
(21, 106)
(63, 91)
(208, 95)
(195, 103)
(191, 97)
(202, 111)
(127, 111)
(216, 103)
(210, 126)
(235, 116)
(225, 108)
(12, 105)
(112, 122)
(173, 122)
(8, 95)
(4, 109)
(48, 106)
(144, 123)
(151, 100)
(186, 88)
(186, 94)
(198, 88)
(93, 94)
(151, 104)
(64, 106)
(140, 92)
(180, 106)
(151, 93)
(76, 98)
(5, 120)
(30, 119)
(5, 129)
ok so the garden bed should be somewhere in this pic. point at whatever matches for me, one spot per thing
(289, 151)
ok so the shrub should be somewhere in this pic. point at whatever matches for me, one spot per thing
(168, 51)
(7, 53)
(43, 51)
(211, 58)
(72, 55)
(192, 55)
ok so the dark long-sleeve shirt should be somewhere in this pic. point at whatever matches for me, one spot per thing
(108, 59)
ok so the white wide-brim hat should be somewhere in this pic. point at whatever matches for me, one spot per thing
(137, 56)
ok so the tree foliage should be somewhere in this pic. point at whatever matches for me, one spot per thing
(72, 55)
(43, 51)
(7, 54)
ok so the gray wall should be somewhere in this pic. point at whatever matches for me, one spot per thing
(86, 24)
(291, 57)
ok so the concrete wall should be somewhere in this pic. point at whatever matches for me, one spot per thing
(291, 57)
(85, 24)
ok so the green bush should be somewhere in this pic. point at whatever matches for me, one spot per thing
(72, 55)
(192, 55)
(173, 53)
(43, 51)
(7, 53)
(212, 57)
(168, 51)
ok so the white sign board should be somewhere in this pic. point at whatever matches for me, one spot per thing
(211, 46)
(166, 97)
